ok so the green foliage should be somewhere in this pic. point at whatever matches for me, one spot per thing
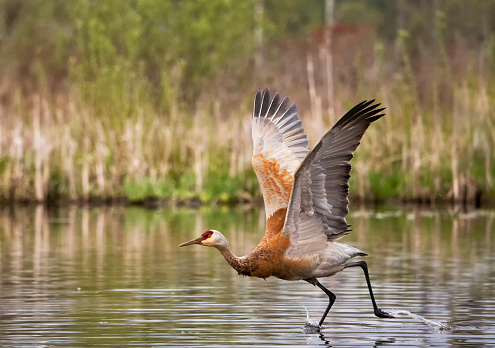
(356, 11)
(221, 188)
(4, 163)
(389, 185)
(143, 188)
(185, 187)
(213, 35)
(112, 49)
(293, 19)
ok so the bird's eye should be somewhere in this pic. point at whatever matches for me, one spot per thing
(207, 234)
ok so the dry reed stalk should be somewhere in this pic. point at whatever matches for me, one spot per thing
(455, 173)
(246, 143)
(328, 56)
(101, 153)
(41, 150)
(311, 83)
(488, 175)
(139, 162)
(318, 126)
(486, 118)
(183, 145)
(133, 134)
(100, 170)
(16, 154)
(200, 154)
(315, 127)
(404, 160)
(85, 185)
(456, 177)
(490, 125)
(417, 145)
(415, 166)
(438, 136)
(234, 150)
(50, 140)
(165, 165)
(45, 176)
(37, 147)
(68, 151)
(360, 169)
(5, 178)
(385, 100)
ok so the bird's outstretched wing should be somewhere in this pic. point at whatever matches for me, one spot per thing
(319, 202)
(280, 145)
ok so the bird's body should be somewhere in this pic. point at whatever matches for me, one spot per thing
(270, 258)
(305, 195)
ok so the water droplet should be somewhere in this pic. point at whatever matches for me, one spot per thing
(431, 323)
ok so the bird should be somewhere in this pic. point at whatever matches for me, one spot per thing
(306, 197)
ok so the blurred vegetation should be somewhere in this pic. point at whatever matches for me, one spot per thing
(149, 99)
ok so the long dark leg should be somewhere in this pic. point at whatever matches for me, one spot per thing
(331, 297)
(378, 312)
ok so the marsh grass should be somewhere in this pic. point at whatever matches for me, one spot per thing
(111, 133)
(80, 151)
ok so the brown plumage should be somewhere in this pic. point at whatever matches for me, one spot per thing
(305, 195)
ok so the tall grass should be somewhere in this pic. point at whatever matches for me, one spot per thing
(112, 133)
(436, 142)
(72, 150)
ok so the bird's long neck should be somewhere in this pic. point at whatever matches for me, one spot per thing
(237, 263)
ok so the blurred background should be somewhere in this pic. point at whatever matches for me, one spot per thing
(150, 100)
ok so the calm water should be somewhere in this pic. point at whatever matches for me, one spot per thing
(115, 277)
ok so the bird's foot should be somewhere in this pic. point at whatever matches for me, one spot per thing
(311, 328)
(382, 314)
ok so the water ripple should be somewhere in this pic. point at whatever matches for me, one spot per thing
(118, 283)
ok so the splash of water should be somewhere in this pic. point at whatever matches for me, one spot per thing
(311, 326)
(436, 325)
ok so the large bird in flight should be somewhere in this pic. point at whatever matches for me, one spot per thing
(305, 194)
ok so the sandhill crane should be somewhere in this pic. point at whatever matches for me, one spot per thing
(305, 195)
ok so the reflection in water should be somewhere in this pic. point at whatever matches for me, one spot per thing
(114, 276)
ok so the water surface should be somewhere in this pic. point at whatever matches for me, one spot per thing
(115, 277)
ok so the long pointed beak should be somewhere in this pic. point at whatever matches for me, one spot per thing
(191, 242)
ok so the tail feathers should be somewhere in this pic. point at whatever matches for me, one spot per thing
(334, 258)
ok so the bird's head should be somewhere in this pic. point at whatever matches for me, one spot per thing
(211, 238)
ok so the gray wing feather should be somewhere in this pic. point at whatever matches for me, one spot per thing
(321, 184)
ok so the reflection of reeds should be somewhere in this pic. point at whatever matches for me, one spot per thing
(107, 240)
